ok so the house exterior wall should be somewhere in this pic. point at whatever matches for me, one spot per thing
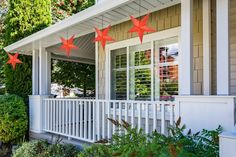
(233, 47)
(160, 20)
(213, 47)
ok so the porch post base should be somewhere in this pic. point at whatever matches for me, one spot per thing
(227, 144)
(206, 112)
(36, 113)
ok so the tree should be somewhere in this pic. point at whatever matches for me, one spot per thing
(64, 8)
(78, 75)
(23, 18)
(3, 11)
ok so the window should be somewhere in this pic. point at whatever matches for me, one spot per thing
(141, 73)
(118, 74)
(166, 69)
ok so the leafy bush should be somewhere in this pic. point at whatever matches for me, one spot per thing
(131, 142)
(44, 149)
(31, 149)
(13, 118)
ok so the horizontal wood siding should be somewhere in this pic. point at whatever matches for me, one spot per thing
(233, 46)
(161, 20)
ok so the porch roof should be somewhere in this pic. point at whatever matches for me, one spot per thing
(109, 12)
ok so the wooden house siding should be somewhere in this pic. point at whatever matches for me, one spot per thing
(233, 47)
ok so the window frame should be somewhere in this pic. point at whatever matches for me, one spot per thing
(170, 33)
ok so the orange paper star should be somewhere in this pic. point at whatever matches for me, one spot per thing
(140, 26)
(68, 45)
(13, 60)
(103, 37)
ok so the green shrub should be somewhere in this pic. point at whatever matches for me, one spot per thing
(44, 149)
(31, 149)
(13, 118)
(131, 142)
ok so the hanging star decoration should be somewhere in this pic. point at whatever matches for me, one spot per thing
(140, 26)
(13, 60)
(103, 37)
(68, 45)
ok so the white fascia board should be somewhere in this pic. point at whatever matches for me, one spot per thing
(73, 20)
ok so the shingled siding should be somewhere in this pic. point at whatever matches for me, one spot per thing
(213, 46)
(161, 20)
(233, 47)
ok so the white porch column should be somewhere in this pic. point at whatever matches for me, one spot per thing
(207, 47)
(35, 72)
(222, 25)
(44, 72)
(42, 75)
(186, 53)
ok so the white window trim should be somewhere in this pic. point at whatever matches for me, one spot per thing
(174, 32)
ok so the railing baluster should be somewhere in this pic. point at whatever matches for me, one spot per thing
(154, 116)
(126, 111)
(103, 119)
(73, 121)
(120, 112)
(60, 116)
(51, 116)
(94, 116)
(81, 119)
(147, 117)
(163, 118)
(132, 114)
(171, 114)
(114, 116)
(77, 119)
(66, 103)
(139, 115)
(99, 120)
(85, 119)
(108, 122)
(47, 113)
(57, 116)
(89, 120)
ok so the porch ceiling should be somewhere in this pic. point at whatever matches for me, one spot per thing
(109, 12)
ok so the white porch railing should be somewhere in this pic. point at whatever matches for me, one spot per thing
(87, 119)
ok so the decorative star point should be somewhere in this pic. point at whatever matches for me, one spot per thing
(102, 36)
(13, 60)
(68, 44)
(140, 26)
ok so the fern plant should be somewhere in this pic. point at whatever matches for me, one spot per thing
(133, 142)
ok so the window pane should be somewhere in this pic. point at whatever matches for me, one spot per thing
(140, 72)
(118, 74)
(166, 69)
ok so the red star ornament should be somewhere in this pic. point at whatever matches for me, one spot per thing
(13, 60)
(68, 45)
(103, 37)
(140, 26)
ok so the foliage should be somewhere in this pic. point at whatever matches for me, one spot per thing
(131, 142)
(23, 18)
(79, 75)
(64, 8)
(13, 118)
(3, 11)
(44, 149)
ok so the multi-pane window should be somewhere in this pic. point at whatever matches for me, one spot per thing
(140, 73)
(118, 74)
(166, 69)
